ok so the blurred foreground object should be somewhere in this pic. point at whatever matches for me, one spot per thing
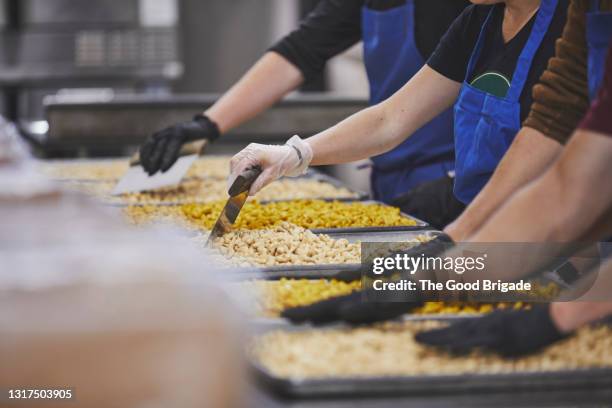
(121, 317)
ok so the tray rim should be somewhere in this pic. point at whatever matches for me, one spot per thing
(448, 384)
(421, 225)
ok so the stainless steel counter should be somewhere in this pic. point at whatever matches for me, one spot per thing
(557, 398)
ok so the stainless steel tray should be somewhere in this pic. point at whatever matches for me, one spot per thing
(314, 174)
(420, 225)
(345, 272)
(587, 379)
(262, 325)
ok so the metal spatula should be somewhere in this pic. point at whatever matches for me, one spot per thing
(239, 192)
(136, 178)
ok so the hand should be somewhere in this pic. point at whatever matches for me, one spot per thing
(355, 309)
(352, 309)
(291, 159)
(509, 333)
(161, 150)
(433, 202)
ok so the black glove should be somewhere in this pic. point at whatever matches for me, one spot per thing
(433, 202)
(432, 248)
(352, 309)
(161, 150)
(511, 333)
(355, 310)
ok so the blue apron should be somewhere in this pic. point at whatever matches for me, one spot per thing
(391, 59)
(599, 36)
(485, 124)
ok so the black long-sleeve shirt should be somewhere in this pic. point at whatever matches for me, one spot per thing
(335, 25)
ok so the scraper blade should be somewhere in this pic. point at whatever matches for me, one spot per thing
(136, 178)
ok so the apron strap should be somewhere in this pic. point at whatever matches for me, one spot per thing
(478, 48)
(595, 6)
(525, 61)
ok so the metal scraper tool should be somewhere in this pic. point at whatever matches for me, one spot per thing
(239, 192)
(136, 178)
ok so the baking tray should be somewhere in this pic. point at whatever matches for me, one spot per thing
(344, 272)
(420, 225)
(314, 174)
(123, 159)
(261, 325)
(78, 162)
(586, 379)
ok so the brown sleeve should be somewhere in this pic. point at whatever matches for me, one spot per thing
(561, 98)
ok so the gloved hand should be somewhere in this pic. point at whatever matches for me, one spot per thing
(509, 333)
(432, 248)
(291, 159)
(433, 202)
(378, 306)
(161, 150)
(352, 309)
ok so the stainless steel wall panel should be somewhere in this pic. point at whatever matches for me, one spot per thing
(79, 12)
(2, 15)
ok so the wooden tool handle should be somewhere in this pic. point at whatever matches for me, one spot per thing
(244, 181)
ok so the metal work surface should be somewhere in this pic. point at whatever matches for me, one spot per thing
(344, 272)
(128, 120)
(585, 387)
(426, 385)
(558, 398)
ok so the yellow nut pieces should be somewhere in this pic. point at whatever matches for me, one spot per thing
(208, 190)
(285, 244)
(272, 297)
(100, 170)
(432, 308)
(390, 350)
(309, 214)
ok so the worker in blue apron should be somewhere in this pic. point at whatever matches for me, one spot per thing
(599, 38)
(485, 124)
(391, 58)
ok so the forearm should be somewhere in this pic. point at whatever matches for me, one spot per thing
(563, 204)
(528, 157)
(570, 316)
(380, 128)
(268, 81)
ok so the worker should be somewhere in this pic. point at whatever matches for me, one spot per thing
(561, 99)
(398, 37)
(571, 187)
(544, 211)
(486, 65)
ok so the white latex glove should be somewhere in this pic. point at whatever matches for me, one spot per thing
(291, 159)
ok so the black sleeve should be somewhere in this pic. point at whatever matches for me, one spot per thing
(432, 20)
(452, 55)
(333, 27)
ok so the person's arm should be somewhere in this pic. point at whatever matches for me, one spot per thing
(380, 128)
(563, 204)
(332, 27)
(270, 79)
(367, 133)
(593, 304)
(561, 98)
(528, 157)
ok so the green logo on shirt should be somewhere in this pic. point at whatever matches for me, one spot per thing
(492, 82)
